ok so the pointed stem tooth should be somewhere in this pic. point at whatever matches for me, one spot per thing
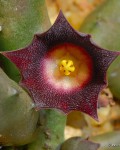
(13, 91)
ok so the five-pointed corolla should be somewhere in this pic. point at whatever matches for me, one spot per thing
(63, 68)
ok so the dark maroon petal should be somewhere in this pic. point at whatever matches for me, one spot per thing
(31, 62)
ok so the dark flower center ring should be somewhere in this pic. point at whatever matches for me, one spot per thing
(68, 67)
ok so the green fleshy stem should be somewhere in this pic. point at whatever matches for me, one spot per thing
(19, 21)
(104, 26)
(51, 132)
(18, 119)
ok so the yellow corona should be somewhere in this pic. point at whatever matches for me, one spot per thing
(67, 66)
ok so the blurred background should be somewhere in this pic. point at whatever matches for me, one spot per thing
(74, 10)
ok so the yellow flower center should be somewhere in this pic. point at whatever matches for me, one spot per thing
(67, 66)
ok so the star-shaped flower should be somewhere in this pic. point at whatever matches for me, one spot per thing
(63, 68)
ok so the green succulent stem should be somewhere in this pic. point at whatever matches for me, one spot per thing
(19, 122)
(18, 119)
(19, 21)
(51, 131)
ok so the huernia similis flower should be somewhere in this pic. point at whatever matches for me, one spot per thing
(63, 68)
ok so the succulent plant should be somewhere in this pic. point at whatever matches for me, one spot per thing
(62, 69)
